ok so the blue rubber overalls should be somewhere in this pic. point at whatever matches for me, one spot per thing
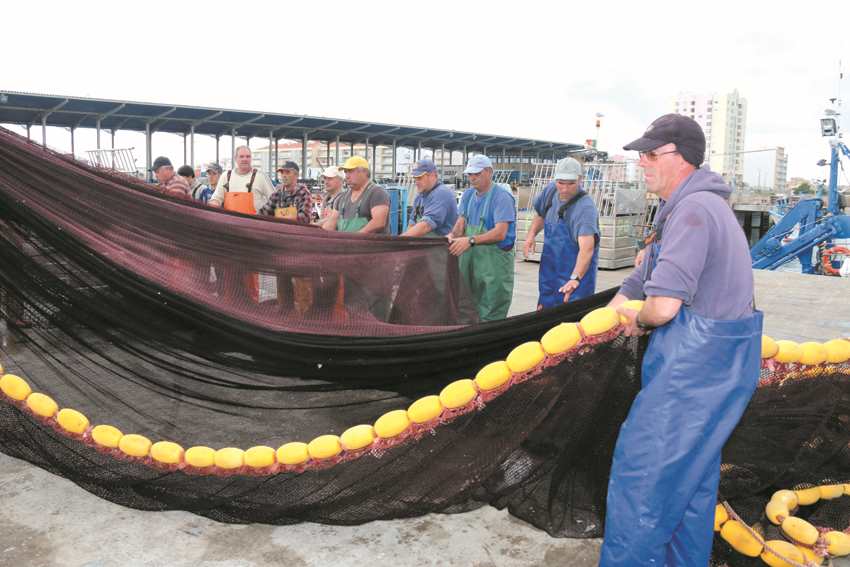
(698, 376)
(560, 253)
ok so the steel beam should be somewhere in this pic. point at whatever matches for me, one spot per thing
(395, 163)
(148, 150)
(271, 148)
(304, 155)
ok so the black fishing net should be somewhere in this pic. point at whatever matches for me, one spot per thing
(202, 327)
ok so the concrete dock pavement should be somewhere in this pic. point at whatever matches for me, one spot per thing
(48, 521)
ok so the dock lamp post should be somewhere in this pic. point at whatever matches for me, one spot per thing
(599, 117)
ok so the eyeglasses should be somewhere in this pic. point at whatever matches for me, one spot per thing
(652, 156)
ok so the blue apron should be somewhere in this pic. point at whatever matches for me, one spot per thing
(698, 376)
(558, 261)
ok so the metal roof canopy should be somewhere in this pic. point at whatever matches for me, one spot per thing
(31, 109)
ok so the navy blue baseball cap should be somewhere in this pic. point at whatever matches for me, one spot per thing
(676, 129)
(422, 167)
(161, 161)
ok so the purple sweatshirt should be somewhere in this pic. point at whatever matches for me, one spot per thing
(705, 258)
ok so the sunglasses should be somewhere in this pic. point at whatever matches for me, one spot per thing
(653, 156)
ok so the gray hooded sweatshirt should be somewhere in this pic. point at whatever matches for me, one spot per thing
(705, 258)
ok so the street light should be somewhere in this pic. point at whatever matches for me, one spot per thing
(599, 117)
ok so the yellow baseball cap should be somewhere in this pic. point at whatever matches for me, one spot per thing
(354, 162)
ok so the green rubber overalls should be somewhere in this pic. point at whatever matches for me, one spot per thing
(358, 222)
(487, 269)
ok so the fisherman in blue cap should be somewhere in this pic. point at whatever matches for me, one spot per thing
(435, 207)
(483, 239)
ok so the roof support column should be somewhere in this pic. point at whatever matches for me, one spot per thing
(276, 154)
(233, 149)
(192, 146)
(442, 159)
(465, 155)
(185, 149)
(148, 149)
(352, 148)
(44, 130)
(374, 159)
(395, 161)
(28, 131)
(337, 151)
(217, 138)
(304, 156)
(327, 153)
(98, 133)
(72, 141)
(112, 136)
(272, 148)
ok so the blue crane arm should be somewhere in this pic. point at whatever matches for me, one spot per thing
(770, 248)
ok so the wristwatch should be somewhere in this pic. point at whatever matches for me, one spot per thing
(471, 241)
(575, 277)
(641, 325)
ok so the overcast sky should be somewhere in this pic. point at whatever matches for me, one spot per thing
(526, 68)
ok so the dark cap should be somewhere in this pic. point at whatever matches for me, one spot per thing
(422, 167)
(673, 129)
(186, 171)
(159, 162)
(289, 165)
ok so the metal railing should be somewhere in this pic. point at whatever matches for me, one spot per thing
(118, 159)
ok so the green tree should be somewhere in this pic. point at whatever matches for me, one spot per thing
(804, 188)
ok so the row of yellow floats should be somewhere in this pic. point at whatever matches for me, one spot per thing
(806, 545)
(492, 379)
(836, 351)
(804, 540)
(460, 394)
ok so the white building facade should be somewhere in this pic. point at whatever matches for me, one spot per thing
(723, 118)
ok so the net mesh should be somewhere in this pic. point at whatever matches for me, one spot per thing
(144, 316)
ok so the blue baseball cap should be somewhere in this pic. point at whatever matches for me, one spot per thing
(422, 167)
(478, 163)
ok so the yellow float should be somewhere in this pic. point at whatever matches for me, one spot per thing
(560, 339)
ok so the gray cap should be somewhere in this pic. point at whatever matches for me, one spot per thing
(567, 169)
(215, 168)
